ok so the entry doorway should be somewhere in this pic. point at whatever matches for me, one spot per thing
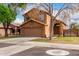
(57, 29)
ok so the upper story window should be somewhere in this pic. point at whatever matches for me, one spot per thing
(26, 17)
(41, 17)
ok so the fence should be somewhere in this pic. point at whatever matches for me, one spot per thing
(71, 32)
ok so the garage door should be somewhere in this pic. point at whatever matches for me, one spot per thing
(33, 32)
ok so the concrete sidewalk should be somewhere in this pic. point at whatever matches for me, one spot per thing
(17, 40)
(10, 50)
(56, 45)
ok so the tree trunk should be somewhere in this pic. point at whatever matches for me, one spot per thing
(6, 32)
(51, 20)
(50, 37)
(6, 29)
(51, 28)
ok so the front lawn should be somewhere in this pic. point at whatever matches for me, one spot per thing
(67, 40)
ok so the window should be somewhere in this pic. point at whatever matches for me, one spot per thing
(41, 17)
(26, 17)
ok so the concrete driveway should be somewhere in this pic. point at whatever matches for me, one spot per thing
(14, 45)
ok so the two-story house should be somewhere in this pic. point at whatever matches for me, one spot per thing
(37, 24)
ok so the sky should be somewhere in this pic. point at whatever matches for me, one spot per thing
(20, 17)
(56, 6)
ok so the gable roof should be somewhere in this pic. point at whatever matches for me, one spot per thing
(60, 22)
(34, 21)
(36, 9)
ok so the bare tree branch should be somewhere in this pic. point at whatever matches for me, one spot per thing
(60, 10)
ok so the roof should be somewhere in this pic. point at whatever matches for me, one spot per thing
(10, 26)
(34, 21)
(16, 24)
(36, 9)
(60, 22)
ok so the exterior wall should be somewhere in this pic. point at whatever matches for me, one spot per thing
(35, 13)
(32, 24)
(2, 32)
(61, 29)
(64, 27)
(34, 28)
(47, 28)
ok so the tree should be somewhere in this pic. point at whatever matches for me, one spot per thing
(7, 15)
(74, 27)
(66, 10)
(17, 6)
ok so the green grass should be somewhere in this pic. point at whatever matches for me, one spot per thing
(41, 40)
(68, 40)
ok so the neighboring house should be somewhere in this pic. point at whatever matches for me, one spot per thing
(71, 32)
(1, 30)
(37, 24)
(12, 30)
